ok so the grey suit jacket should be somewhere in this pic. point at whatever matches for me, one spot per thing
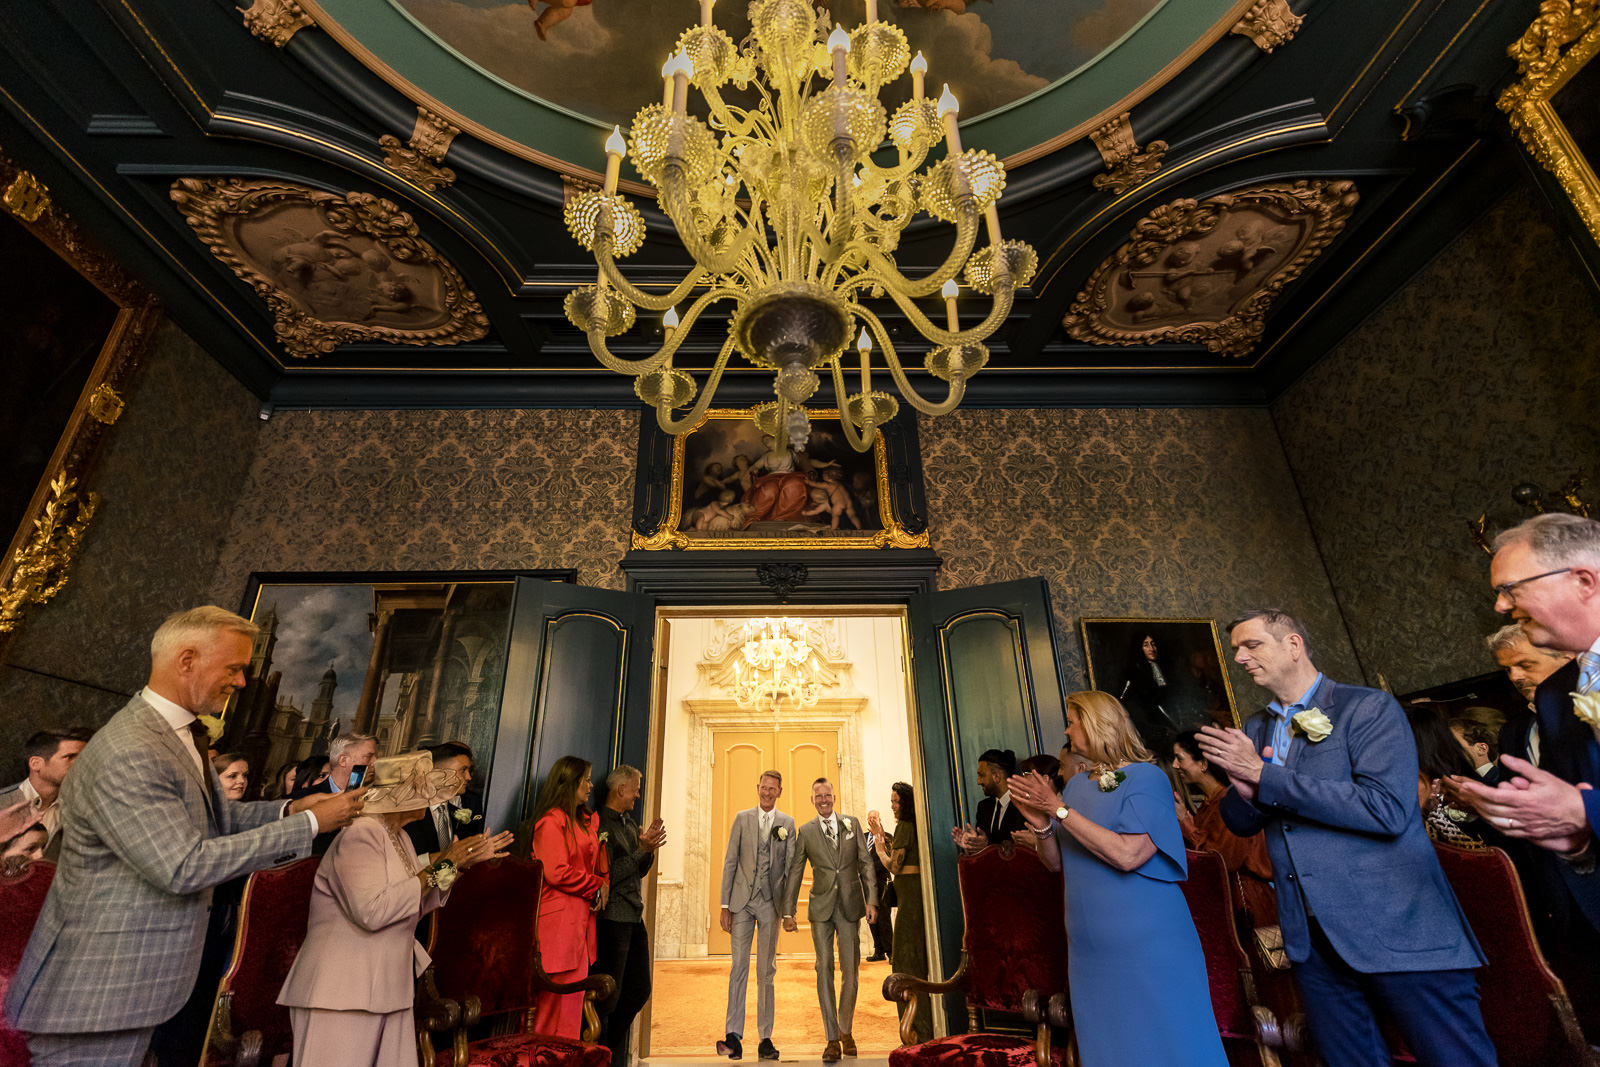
(841, 879)
(739, 866)
(145, 835)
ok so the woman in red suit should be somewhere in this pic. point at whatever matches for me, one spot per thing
(566, 841)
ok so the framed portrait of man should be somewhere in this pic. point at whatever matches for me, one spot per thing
(1168, 673)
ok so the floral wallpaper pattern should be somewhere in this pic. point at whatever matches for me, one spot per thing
(1155, 512)
(1480, 374)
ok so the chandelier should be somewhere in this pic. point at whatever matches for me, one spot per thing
(777, 664)
(791, 220)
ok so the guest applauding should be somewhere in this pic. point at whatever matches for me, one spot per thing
(349, 993)
(899, 854)
(566, 841)
(1205, 828)
(1138, 978)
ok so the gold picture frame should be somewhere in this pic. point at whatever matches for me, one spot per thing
(677, 529)
(1561, 41)
(1189, 670)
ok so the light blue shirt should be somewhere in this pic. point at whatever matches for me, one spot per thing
(1280, 737)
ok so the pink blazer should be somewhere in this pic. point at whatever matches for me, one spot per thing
(361, 951)
(571, 880)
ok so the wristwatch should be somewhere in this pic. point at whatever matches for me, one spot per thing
(442, 874)
(1062, 812)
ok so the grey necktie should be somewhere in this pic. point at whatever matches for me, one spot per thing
(827, 827)
(441, 821)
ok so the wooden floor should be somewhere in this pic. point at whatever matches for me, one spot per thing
(689, 1000)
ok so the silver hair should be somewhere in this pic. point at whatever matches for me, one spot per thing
(620, 775)
(1556, 539)
(1508, 636)
(197, 624)
(344, 742)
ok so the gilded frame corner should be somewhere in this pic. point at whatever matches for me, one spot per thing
(670, 535)
(1560, 42)
(1215, 645)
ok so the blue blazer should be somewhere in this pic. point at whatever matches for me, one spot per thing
(1568, 750)
(1346, 840)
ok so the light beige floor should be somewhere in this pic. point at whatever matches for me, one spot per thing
(688, 1009)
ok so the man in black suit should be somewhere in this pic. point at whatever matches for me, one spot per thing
(1526, 665)
(883, 928)
(461, 816)
(345, 753)
(997, 818)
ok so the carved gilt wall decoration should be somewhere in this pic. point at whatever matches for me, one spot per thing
(1205, 272)
(41, 565)
(1269, 24)
(276, 21)
(1126, 166)
(332, 268)
(1564, 38)
(422, 161)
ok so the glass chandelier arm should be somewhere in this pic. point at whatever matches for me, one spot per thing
(999, 308)
(958, 389)
(689, 421)
(886, 272)
(901, 169)
(675, 201)
(597, 338)
(858, 440)
(640, 298)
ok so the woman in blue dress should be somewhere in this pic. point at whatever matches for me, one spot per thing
(1137, 974)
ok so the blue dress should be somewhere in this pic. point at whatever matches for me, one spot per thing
(1138, 977)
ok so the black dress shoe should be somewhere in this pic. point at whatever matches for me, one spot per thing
(878, 958)
(768, 1051)
(730, 1047)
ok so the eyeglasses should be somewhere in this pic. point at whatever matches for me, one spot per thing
(1509, 589)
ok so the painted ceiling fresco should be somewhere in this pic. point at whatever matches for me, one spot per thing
(601, 59)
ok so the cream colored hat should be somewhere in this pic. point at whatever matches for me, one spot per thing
(407, 782)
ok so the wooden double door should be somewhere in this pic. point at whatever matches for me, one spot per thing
(801, 755)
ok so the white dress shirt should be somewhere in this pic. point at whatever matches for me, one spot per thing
(49, 815)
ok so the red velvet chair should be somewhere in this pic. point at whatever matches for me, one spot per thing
(22, 894)
(1250, 1031)
(1013, 960)
(1525, 1006)
(486, 960)
(248, 1026)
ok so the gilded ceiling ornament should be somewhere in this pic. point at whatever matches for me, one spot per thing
(333, 268)
(1126, 166)
(1269, 23)
(276, 20)
(26, 197)
(1564, 37)
(1205, 272)
(41, 565)
(422, 161)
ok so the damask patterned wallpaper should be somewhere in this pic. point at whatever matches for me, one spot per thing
(1145, 513)
(1479, 374)
(434, 490)
(166, 479)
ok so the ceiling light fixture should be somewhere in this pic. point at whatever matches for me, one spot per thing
(789, 218)
(776, 665)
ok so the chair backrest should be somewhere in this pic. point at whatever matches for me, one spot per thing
(1016, 933)
(21, 899)
(485, 936)
(1211, 907)
(272, 927)
(1525, 1006)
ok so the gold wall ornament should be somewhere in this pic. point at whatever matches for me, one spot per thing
(1205, 272)
(276, 20)
(1269, 24)
(26, 197)
(105, 406)
(332, 268)
(1126, 166)
(1564, 38)
(40, 567)
(422, 161)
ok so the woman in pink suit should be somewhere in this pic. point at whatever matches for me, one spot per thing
(350, 990)
(566, 841)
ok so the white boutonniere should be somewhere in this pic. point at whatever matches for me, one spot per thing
(1586, 706)
(1109, 780)
(1456, 814)
(605, 835)
(213, 725)
(849, 828)
(781, 833)
(461, 815)
(1315, 725)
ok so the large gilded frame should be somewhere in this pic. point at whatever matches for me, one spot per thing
(40, 551)
(668, 535)
(1561, 41)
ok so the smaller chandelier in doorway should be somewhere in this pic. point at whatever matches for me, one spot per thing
(777, 667)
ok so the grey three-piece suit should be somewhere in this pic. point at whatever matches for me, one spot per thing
(842, 887)
(752, 889)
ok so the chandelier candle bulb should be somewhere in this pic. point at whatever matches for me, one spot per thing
(919, 74)
(864, 346)
(949, 292)
(949, 110)
(669, 322)
(839, 45)
(705, 12)
(666, 84)
(682, 67)
(615, 146)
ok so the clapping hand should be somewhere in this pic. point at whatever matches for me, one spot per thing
(1535, 805)
(969, 838)
(1233, 751)
(1035, 795)
(653, 836)
(16, 819)
(875, 824)
(467, 852)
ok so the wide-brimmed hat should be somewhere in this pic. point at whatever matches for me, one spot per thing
(407, 782)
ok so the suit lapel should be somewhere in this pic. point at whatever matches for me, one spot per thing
(1321, 699)
(180, 751)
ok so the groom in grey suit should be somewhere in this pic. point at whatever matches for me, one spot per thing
(752, 885)
(842, 891)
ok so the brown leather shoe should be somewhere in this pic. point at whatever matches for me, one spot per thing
(831, 1053)
(847, 1044)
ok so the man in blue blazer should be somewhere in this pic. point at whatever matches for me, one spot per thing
(1329, 773)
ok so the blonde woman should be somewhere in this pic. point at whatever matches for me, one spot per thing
(1138, 977)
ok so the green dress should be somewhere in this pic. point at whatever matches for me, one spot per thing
(910, 934)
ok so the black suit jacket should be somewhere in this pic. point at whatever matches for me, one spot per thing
(320, 843)
(1568, 750)
(1010, 821)
(424, 834)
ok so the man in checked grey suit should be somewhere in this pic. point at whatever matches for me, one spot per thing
(842, 891)
(146, 833)
(752, 886)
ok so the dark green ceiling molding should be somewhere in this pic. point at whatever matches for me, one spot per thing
(417, 64)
